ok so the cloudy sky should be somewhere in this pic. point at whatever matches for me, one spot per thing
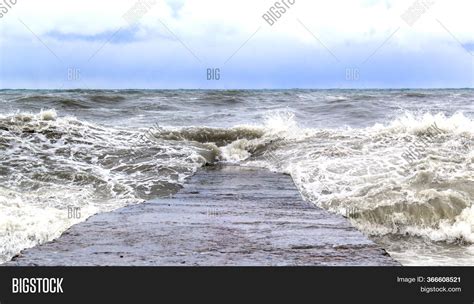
(172, 44)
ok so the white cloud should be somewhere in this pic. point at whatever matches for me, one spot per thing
(214, 29)
(337, 20)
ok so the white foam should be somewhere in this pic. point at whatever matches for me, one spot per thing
(48, 114)
(236, 151)
(30, 218)
(66, 162)
(362, 169)
(411, 123)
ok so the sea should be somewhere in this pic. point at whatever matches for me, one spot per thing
(398, 164)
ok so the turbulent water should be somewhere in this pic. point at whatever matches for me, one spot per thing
(398, 163)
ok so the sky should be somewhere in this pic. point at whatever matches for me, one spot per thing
(223, 44)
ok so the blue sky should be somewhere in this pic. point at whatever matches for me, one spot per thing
(171, 44)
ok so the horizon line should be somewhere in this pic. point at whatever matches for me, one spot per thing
(234, 89)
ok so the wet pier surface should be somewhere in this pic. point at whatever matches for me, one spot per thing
(225, 215)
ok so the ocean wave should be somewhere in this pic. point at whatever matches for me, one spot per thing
(365, 170)
(106, 98)
(420, 123)
(416, 95)
(49, 163)
(47, 159)
(71, 99)
(219, 136)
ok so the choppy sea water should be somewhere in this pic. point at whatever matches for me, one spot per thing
(398, 163)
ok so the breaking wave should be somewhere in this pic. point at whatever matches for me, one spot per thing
(410, 177)
(366, 175)
(50, 164)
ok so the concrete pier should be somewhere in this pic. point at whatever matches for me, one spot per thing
(225, 215)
